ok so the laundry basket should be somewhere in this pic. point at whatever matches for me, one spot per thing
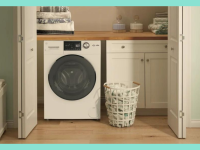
(121, 103)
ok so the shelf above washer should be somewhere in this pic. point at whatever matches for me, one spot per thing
(102, 35)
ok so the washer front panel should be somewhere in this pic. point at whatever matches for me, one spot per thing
(72, 77)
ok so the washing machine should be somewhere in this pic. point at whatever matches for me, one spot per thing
(72, 74)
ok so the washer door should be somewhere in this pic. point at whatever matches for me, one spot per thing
(72, 77)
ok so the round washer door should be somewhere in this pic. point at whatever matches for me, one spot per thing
(72, 77)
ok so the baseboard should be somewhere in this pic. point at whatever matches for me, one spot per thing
(3, 130)
(41, 100)
(194, 123)
(151, 111)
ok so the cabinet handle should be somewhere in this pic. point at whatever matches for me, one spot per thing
(123, 46)
(142, 60)
(165, 46)
(31, 49)
(147, 60)
(172, 48)
(53, 46)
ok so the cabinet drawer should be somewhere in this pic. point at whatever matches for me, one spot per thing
(136, 46)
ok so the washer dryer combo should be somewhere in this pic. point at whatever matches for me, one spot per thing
(72, 74)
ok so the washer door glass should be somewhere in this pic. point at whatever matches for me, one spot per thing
(72, 77)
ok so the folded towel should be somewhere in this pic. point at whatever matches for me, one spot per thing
(64, 8)
(160, 20)
(54, 15)
(156, 23)
(59, 26)
(159, 32)
(52, 21)
(162, 13)
(154, 26)
(162, 30)
(54, 8)
(46, 8)
(161, 16)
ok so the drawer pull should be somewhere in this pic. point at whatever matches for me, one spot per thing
(31, 49)
(123, 46)
(147, 60)
(142, 60)
(53, 46)
(165, 46)
(172, 48)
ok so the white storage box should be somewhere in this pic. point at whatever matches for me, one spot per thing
(3, 124)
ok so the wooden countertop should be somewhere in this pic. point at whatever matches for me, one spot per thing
(95, 35)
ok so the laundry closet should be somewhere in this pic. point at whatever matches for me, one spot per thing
(141, 57)
(143, 61)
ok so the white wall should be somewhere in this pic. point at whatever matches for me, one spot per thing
(6, 54)
(102, 18)
(195, 85)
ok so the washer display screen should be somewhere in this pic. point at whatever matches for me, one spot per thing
(72, 77)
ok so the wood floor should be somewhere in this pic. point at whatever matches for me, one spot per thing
(146, 129)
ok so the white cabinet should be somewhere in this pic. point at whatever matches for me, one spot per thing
(127, 67)
(142, 62)
(156, 80)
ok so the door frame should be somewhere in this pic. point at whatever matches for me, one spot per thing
(17, 63)
(186, 64)
(188, 54)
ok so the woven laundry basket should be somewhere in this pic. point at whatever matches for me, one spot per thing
(121, 103)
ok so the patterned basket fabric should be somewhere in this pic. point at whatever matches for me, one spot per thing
(121, 103)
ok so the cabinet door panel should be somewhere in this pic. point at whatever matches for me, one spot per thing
(127, 67)
(156, 80)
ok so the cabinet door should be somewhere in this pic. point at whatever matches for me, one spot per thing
(127, 67)
(156, 80)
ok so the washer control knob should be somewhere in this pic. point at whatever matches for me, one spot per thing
(86, 45)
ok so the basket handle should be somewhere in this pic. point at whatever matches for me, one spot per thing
(109, 87)
(106, 86)
(136, 83)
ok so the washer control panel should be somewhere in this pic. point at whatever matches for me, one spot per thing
(86, 45)
(72, 45)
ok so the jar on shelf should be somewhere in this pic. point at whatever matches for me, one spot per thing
(118, 25)
(136, 26)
